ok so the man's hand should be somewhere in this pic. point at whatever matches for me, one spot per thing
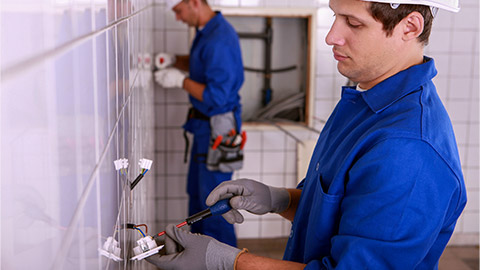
(170, 78)
(250, 195)
(185, 250)
(164, 60)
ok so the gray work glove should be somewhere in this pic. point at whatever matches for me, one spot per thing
(250, 195)
(185, 250)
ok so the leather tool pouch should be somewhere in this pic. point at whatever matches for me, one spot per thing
(225, 152)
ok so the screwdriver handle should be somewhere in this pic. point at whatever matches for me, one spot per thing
(221, 207)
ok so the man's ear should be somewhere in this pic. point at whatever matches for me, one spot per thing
(413, 25)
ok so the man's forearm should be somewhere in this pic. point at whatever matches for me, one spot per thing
(292, 208)
(248, 261)
(182, 62)
(194, 88)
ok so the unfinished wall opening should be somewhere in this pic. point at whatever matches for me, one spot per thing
(277, 53)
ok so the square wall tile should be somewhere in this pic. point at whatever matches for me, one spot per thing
(276, 3)
(463, 41)
(273, 140)
(175, 165)
(177, 96)
(253, 141)
(472, 156)
(325, 18)
(441, 84)
(159, 164)
(326, 64)
(177, 209)
(464, 18)
(227, 3)
(470, 222)
(456, 110)
(159, 17)
(273, 162)
(176, 115)
(473, 138)
(158, 42)
(171, 22)
(472, 177)
(247, 230)
(473, 201)
(323, 109)
(437, 42)
(274, 180)
(175, 140)
(251, 162)
(177, 187)
(461, 65)
(252, 3)
(443, 20)
(177, 42)
(461, 130)
(290, 162)
(271, 228)
(325, 88)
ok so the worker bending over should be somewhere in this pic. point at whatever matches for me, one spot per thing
(215, 77)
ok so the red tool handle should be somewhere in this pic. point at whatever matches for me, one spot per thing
(217, 142)
(244, 139)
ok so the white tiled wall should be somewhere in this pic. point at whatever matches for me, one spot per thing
(74, 97)
(271, 155)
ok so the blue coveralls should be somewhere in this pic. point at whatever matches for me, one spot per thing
(384, 187)
(216, 61)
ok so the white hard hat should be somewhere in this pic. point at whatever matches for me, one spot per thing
(450, 5)
(172, 3)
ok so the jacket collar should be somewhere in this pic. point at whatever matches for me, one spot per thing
(387, 92)
(211, 25)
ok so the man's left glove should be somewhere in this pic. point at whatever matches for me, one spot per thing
(170, 78)
(185, 250)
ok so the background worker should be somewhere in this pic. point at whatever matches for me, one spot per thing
(215, 77)
(384, 187)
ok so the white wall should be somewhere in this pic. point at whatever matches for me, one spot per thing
(271, 155)
(73, 99)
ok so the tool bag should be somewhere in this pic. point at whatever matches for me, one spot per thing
(225, 152)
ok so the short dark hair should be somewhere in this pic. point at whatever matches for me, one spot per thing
(390, 17)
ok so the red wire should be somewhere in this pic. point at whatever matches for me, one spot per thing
(178, 226)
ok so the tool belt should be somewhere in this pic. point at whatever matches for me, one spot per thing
(225, 151)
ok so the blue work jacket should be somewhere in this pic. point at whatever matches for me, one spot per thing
(384, 187)
(216, 61)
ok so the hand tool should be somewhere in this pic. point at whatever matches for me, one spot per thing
(221, 207)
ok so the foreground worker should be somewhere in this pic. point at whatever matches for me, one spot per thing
(384, 188)
(215, 77)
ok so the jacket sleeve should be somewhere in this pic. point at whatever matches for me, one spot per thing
(222, 73)
(399, 209)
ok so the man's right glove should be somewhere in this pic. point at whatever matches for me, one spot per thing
(250, 195)
(164, 60)
(185, 250)
(170, 78)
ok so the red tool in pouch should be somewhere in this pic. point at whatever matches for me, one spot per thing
(217, 142)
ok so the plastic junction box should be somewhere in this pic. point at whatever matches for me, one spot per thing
(146, 247)
(111, 249)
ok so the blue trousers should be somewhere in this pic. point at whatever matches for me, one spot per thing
(200, 183)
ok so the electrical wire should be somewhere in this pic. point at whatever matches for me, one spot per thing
(138, 229)
(142, 225)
